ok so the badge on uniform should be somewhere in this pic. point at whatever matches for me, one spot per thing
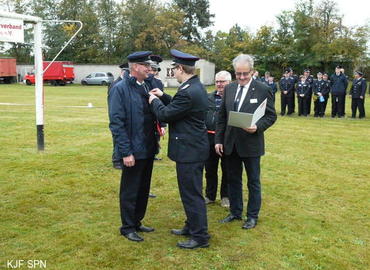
(185, 86)
(253, 100)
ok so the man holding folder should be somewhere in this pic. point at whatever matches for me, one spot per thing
(244, 145)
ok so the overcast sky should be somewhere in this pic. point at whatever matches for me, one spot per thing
(254, 14)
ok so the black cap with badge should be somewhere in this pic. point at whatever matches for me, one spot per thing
(183, 58)
(359, 73)
(124, 66)
(156, 59)
(139, 57)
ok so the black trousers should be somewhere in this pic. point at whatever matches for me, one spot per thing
(319, 107)
(189, 179)
(134, 192)
(211, 167)
(337, 105)
(308, 100)
(302, 106)
(358, 103)
(287, 101)
(235, 169)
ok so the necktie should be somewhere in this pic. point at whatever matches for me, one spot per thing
(238, 97)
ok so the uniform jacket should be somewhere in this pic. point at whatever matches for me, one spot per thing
(287, 84)
(127, 107)
(303, 88)
(339, 84)
(246, 144)
(185, 113)
(358, 88)
(212, 116)
(321, 87)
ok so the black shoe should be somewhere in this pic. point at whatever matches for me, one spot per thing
(184, 232)
(151, 195)
(143, 228)
(192, 244)
(117, 165)
(157, 158)
(250, 223)
(230, 218)
(133, 236)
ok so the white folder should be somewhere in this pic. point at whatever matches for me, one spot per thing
(245, 120)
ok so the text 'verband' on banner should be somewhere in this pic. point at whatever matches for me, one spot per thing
(11, 30)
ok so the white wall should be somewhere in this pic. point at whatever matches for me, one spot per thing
(207, 71)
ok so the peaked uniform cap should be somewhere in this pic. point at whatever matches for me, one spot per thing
(183, 58)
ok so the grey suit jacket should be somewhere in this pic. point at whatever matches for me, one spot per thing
(246, 144)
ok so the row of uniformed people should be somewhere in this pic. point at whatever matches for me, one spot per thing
(307, 89)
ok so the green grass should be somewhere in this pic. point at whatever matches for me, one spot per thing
(61, 205)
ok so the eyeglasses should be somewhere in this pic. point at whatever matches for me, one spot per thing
(221, 81)
(245, 74)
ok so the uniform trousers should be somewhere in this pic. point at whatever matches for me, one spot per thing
(235, 169)
(134, 192)
(189, 179)
(358, 103)
(287, 101)
(319, 107)
(211, 167)
(337, 105)
(302, 106)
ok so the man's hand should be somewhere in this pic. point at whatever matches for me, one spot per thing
(219, 148)
(156, 91)
(285, 92)
(129, 161)
(163, 131)
(362, 97)
(251, 129)
(151, 98)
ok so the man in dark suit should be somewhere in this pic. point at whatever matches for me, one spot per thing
(244, 145)
(187, 145)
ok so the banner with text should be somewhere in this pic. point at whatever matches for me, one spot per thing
(11, 30)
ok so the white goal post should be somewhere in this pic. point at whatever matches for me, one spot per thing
(39, 84)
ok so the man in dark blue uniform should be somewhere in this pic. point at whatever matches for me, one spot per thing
(357, 93)
(295, 80)
(338, 85)
(133, 127)
(188, 144)
(222, 79)
(117, 162)
(321, 92)
(309, 81)
(303, 90)
(287, 93)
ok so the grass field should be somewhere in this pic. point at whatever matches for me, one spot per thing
(61, 205)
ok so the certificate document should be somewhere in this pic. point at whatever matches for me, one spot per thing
(245, 120)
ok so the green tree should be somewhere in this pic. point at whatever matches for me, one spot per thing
(197, 16)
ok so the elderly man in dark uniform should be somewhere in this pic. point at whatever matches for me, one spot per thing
(357, 93)
(244, 146)
(133, 127)
(338, 83)
(188, 144)
(222, 79)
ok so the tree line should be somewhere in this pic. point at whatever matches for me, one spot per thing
(311, 35)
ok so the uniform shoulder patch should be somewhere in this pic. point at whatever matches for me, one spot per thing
(185, 86)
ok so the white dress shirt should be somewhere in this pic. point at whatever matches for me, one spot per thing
(245, 91)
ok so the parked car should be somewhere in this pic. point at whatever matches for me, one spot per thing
(101, 78)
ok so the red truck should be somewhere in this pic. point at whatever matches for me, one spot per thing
(59, 73)
(8, 70)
